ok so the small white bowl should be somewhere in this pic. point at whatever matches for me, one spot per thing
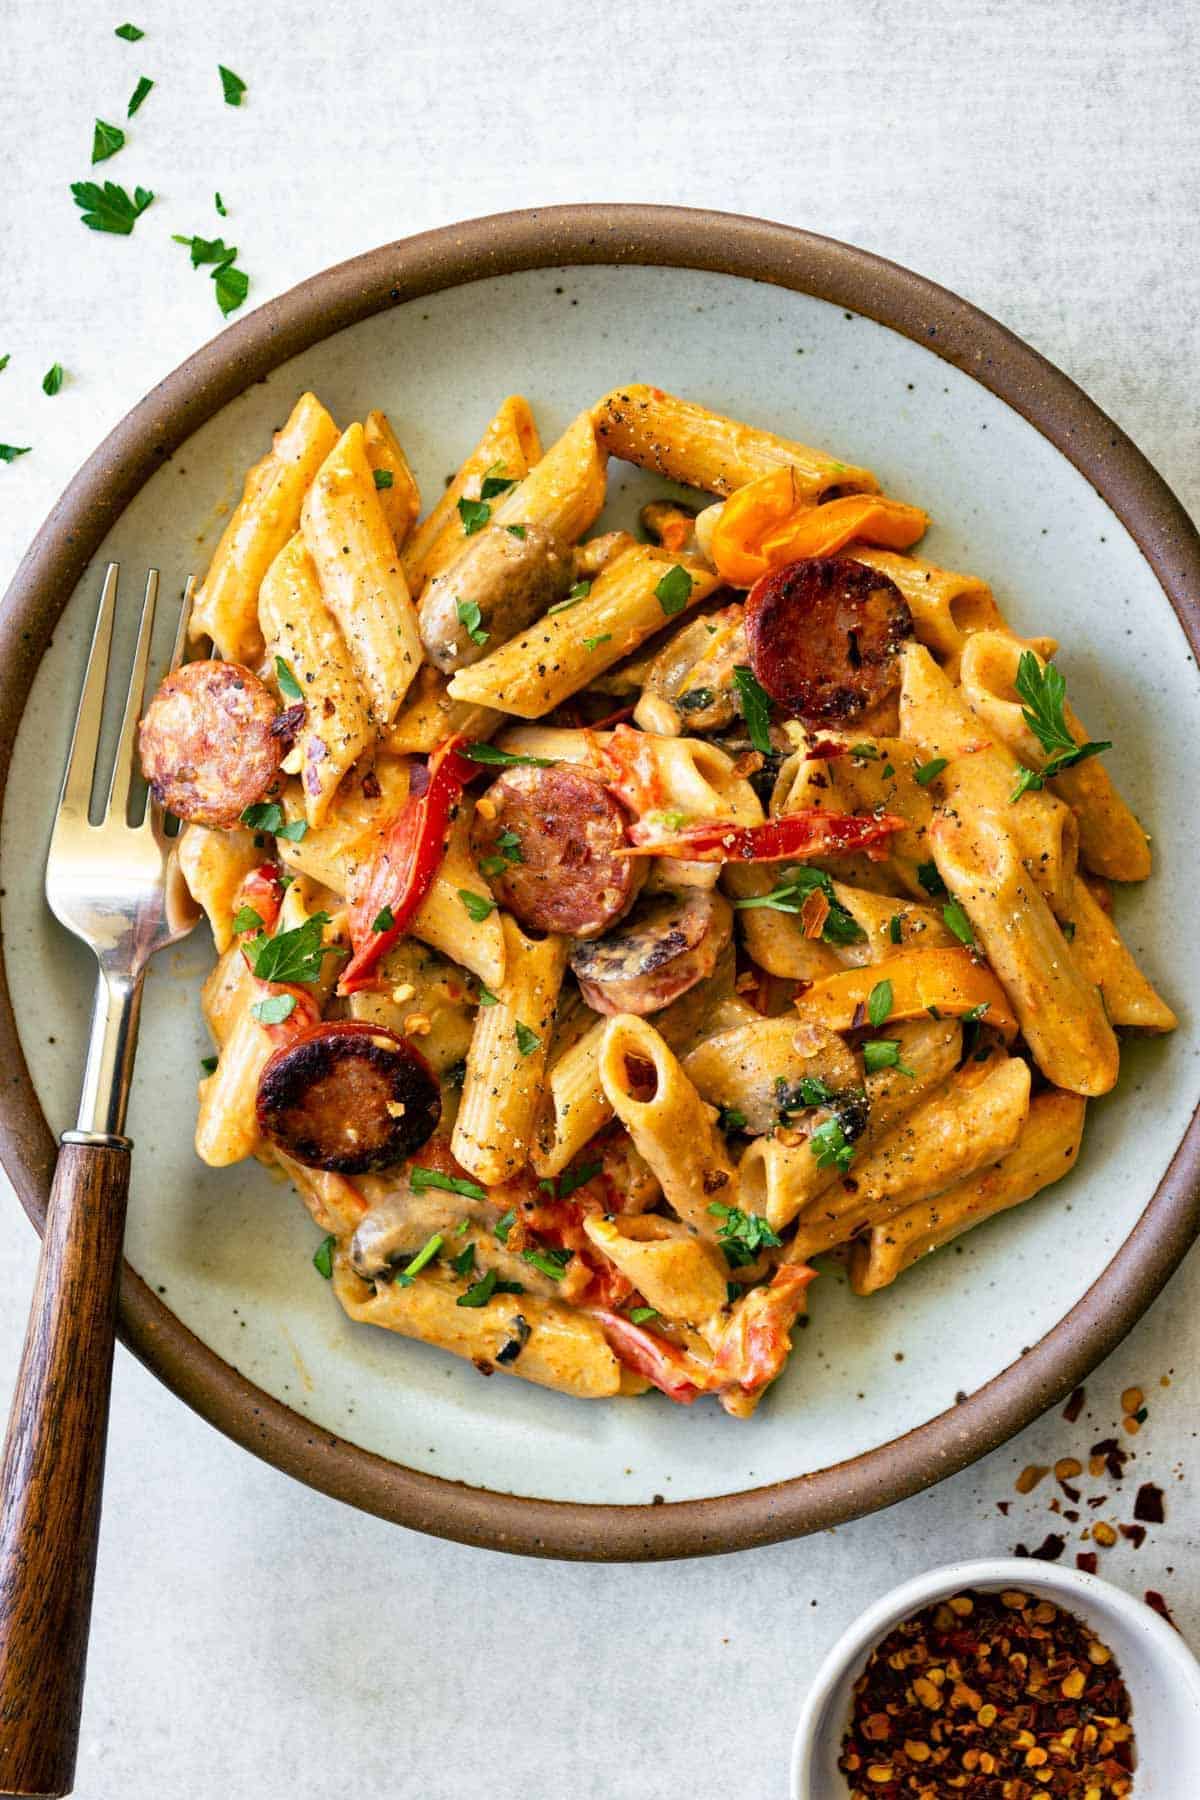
(1162, 1675)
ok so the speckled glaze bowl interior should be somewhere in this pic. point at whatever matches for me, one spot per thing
(1028, 484)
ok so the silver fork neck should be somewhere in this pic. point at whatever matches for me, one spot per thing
(109, 1067)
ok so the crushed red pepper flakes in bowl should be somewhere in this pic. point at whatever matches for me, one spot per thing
(985, 1695)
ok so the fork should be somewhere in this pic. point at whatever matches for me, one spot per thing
(113, 885)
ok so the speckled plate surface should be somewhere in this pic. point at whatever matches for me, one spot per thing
(883, 1395)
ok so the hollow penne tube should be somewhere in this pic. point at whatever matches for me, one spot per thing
(1103, 958)
(1111, 841)
(506, 1063)
(1060, 1011)
(429, 716)
(564, 491)
(576, 1106)
(535, 671)
(754, 1068)
(299, 628)
(981, 776)
(947, 608)
(395, 483)
(888, 779)
(684, 442)
(214, 864)
(775, 941)
(333, 851)
(557, 1346)
(672, 1127)
(1045, 1151)
(268, 514)
(442, 920)
(886, 925)
(510, 443)
(227, 1126)
(962, 1126)
(679, 1275)
(362, 581)
(780, 1175)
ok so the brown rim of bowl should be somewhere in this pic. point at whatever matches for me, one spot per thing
(555, 237)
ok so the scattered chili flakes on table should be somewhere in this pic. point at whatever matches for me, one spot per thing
(990, 1697)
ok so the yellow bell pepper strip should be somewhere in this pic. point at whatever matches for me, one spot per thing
(768, 523)
(941, 983)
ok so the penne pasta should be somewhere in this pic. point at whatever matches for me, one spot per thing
(510, 444)
(214, 865)
(398, 493)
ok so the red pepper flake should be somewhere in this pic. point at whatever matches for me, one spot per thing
(1135, 1533)
(985, 1694)
(1050, 1548)
(1156, 1603)
(1074, 1406)
(1149, 1504)
(1087, 1560)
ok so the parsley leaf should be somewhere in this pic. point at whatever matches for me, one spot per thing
(731, 1118)
(246, 919)
(810, 1090)
(495, 482)
(548, 1262)
(742, 1235)
(275, 1008)
(267, 815)
(504, 759)
(879, 1002)
(464, 1262)
(884, 1053)
(924, 773)
(896, 928)
(420, 1179)
(470, 617)
(640, 1314)
(931, 881)
(232, 286)
(106, 141)
(294, 955)
(208, 1064)
(579, 592)
(486, 996)
(974, 1013)
(840, 926)
(130, 33)
(474, 515)
(109, 208)
(490, 1284)
(674, 590)
(517, 531)
(1044, 692)
(958, 922)
(383, 478)
(425, 1254)
(323, 1257)
(384, 919)
(831, 1147)
(477, 907)
(220, 205)
(527, 1040)
(138, 95)
(594, 643)
(756, 708)
(52, 380)
(505, 1223)
(10, 452)
(570, 1179)
(287, 681)
(4, 360)
(206, 250)
(232, 86)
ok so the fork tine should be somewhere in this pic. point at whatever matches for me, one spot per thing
(181, 630)
(85, 739)
(122, 775)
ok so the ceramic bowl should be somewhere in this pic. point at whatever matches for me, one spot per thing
(1028, 484)
(1162, 1675)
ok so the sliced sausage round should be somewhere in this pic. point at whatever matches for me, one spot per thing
(667, 945)
(211, 742)
(348, 1096)
(823, 636)
(510, 576)
(548, 840)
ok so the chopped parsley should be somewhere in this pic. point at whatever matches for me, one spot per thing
(694, 700)
(267, 815)
(548, 1262)
(232, 86)
(477, 907)
(931, 881)
(323, 1257)
(791, 895)
(490, 1284)
(474, 515)
(290, 955)
(641, 1315)
(831, 1147)
(570, 1179)
(109, 208)
(517, 531)
(879, 1002)
(130, 33)
(52, 380)
(220, 205)
(505, 759)
(869, 752)
(593, 643)
(420, 1179)
(383, 478)
(1044, 692)
(464, 1262)
(232, 286)
(579, 592)
(384, 919)
(209, 1064)
(4, 360)
(287, 681)
(527, 1041)
(924, 773)
(471, 619)
(884, 1053)
(756, 707)
(206, 250)
(10, 452)
(810, 1090)
(742, 1235)
(958, 922)
(138, 95)
(505, 1223)
(106, 141)
(486, 996)
(975, 1013)
(495, 482)
(421, 1260)
(275, 1008)
(731, 1118)
(246, 919)
(674, 590)
(896, 928)
(508, 852)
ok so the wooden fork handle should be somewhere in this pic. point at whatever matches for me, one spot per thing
(53, 1470)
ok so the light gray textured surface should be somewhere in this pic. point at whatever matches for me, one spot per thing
(1042, 160)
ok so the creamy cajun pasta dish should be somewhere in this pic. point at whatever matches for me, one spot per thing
(610, 926)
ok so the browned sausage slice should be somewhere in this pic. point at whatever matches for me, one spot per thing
(211, 742)
(665, 947)
(348, 1096)
(548, 839)
(823, 636)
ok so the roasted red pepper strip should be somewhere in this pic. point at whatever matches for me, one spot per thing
(660, 1362)
(401, 872)
(262, 891)
(792, 838)
(756, 1342)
